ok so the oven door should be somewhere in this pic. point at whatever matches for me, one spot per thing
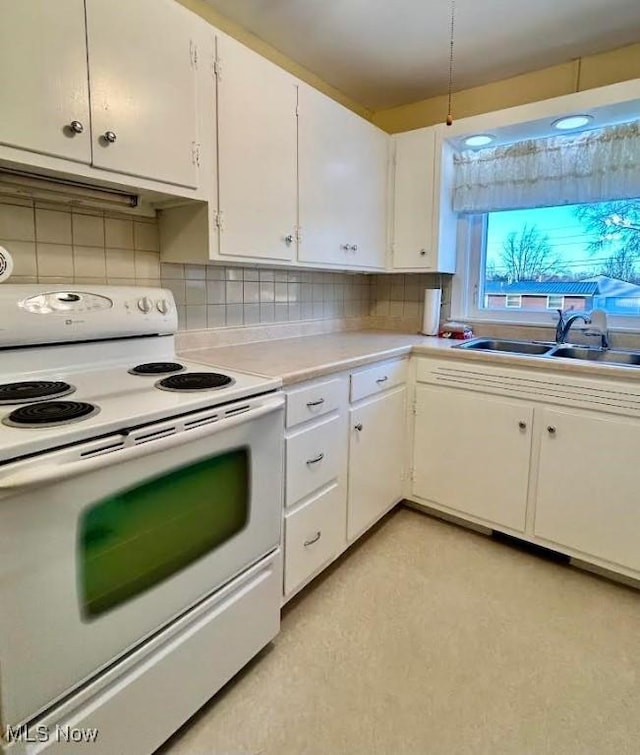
(104, 543)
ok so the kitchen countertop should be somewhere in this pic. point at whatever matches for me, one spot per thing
(298, 359)
(304, 358)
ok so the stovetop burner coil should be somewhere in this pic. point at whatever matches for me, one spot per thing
(195, 381)
(156, 368)
(50, 414)
(24, 392)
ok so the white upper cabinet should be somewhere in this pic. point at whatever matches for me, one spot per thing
(142, 61)
(257, 153)
(420, 238)
(342, 163)
(413, 242)
(44, 92)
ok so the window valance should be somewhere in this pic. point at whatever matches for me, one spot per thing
(592, 166)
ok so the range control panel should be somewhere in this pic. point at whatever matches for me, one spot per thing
(32, 313)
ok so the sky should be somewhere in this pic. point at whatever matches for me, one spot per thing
(566, 233)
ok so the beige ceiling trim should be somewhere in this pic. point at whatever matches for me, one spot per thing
(258, 45)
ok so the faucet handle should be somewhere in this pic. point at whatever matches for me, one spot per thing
(599, 319)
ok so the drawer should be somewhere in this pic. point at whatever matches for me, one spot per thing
(314, 400)
(313, 536)
(378, 378)
(313, 458)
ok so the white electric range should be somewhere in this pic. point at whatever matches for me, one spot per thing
(140, 515)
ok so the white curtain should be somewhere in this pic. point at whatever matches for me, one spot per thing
(592, 166)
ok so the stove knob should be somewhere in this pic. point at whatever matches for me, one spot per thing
(145, 305)
(162, 305)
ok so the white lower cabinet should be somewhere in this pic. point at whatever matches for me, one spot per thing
(313, 458)
(315, 513)
(377, 443)
(313, 535)
(471, 454)
(550, 458)
(587, 496)
(376, 458)
(345, 463)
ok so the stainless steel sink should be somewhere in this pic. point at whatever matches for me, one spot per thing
(505, 346)
(607, 356)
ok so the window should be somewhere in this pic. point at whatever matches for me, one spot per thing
(525, 264)
(553, 223)
(578, 257)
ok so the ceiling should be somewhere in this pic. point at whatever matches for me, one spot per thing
(383, 53)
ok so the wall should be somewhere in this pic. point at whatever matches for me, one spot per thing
(584, 73)
(255, 43)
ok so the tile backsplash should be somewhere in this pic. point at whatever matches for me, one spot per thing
(55, 244)
(217, 296)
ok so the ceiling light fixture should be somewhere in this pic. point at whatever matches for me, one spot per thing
(479, 140)
(571, 122)
(449, 120)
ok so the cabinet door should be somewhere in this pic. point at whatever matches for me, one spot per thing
(257, 153)
(376, 459)
(44, 87)
(413, 238)
(587, 494)
(471, 454)
(143, 89)
(368, 213)
(342, 184)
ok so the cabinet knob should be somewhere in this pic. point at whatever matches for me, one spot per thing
(76, 127)
(522, 425)
(109, 136)
(358, 427)
(423, 252)
(314, 539)
(288, 238)
(345, 247)
(551, 429)
(354, 247)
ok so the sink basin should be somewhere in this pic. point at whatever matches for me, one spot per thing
(596, 355)
(510, 347)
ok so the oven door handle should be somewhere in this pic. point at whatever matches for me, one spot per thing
(30, 476)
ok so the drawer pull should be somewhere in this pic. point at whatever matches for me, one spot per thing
(313, 540)
(358, 427)
(318, 458)
(382, 379)
(315, 403)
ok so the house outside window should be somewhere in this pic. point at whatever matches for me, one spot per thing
(555, 302)
(513, 301)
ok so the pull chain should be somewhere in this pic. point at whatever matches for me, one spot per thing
(449, 120)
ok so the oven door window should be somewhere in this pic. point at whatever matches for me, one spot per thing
(139, 537)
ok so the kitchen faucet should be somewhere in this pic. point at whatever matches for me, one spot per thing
(565, 322)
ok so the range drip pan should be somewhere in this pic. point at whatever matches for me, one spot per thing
(50, 414)
(195, 381)
(27, 391)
